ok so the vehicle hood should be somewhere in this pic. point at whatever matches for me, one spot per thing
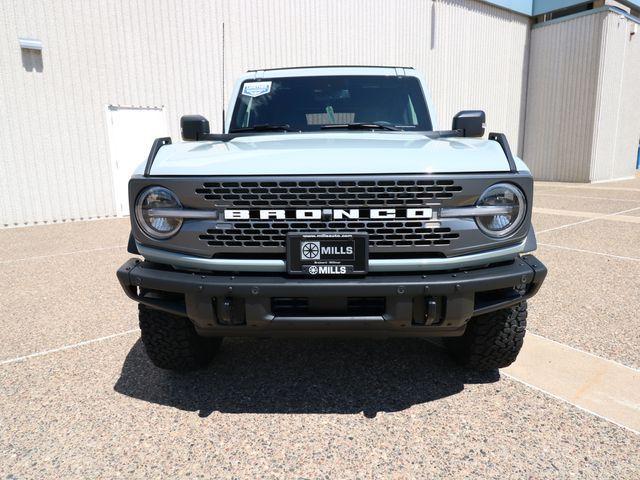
(331, 153)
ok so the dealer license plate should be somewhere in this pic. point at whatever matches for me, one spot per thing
(321, 255)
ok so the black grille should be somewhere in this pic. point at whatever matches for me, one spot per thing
(354, 306)
(384, 235)
(336, 193)
(381, 233)
(289, 306)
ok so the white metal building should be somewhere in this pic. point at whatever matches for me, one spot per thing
(583, 99)
(85, 85)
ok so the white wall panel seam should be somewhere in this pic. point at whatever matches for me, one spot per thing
(621, 93)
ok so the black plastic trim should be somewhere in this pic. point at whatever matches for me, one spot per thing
(158, 143)
(187, 241)
(226, 137)
(195, 294)
(501, 138)
(131, 245)
(471, 122)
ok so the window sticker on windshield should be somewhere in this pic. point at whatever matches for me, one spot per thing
(255, 89)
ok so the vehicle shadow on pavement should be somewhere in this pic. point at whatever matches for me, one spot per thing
(303, 376)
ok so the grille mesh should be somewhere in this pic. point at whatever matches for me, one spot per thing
(381, 234)
(347, 193)
(384, 235)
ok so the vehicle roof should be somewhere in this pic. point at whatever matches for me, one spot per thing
(326, 66)
(328, 70)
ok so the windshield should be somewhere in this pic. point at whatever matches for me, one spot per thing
(310, 103)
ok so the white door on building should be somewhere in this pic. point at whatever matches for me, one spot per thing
(132, 131)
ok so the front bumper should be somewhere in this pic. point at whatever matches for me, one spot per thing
(438, 304)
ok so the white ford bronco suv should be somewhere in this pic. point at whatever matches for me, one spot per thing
(332, 205)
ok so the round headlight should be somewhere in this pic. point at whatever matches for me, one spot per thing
(149, 212)
(506, 209)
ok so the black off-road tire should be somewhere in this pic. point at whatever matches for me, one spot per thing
(172, 343)
(491, 341)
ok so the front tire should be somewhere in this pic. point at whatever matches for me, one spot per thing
(172, 343)
(491, 341)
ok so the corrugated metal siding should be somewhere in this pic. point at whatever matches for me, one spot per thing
(55, 162)
(561, 98)
(583, 99)
(472, 54)
(619, 121)
(612, 55)
(629, 120)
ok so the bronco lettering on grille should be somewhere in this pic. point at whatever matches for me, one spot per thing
(329, 214)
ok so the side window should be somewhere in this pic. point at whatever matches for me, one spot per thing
(246, 116)
(411, 112)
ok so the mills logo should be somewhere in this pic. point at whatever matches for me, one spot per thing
(316, 251)
(327, 270)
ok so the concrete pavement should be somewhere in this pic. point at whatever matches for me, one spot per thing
(78, 398)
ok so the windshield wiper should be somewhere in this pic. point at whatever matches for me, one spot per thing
(361, 126)
(285, 127)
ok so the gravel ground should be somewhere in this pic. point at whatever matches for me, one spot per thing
(62, 238)
(293, 409)
(602, 236)
(542, 221)
(62, 300)
(594, 202)
(618, 190)
(297, 408)
(590, 300)
(601, 316)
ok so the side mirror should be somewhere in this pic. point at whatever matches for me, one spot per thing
(471, 122)
(193, 127)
